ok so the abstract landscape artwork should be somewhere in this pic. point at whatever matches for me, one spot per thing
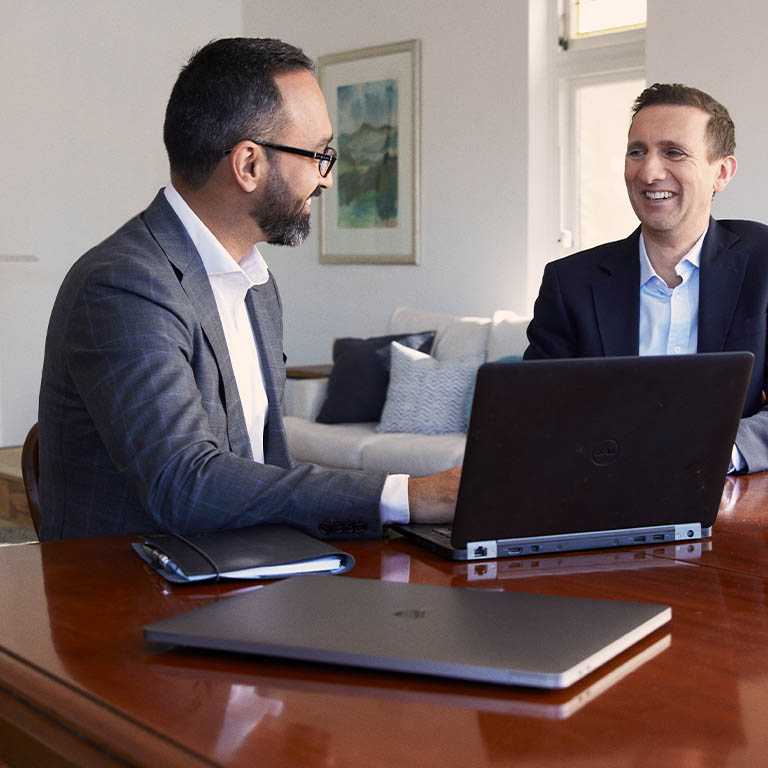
(367, 169)
(370, 214)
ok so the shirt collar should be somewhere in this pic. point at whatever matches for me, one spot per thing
(693, 257)
(215, 257)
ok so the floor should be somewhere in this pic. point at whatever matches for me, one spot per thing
(15, 523)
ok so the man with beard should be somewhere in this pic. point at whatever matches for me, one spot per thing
(164, 369)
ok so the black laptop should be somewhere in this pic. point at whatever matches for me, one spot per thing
(593, 452)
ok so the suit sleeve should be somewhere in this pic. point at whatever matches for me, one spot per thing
(752, 436)
(752, 441)
(146, 375)
(550, 333)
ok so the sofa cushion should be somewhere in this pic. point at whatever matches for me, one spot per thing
(331, 445)
(415, 455)
(358, 382)
(427, 396)
(507, 335)
(456, 336)
(304, 397)
(357, 446)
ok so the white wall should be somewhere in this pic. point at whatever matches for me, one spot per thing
(720, 48)
(83, 87)
(473, 166)
(83, 90)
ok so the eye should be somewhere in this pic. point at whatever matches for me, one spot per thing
(635, 154)
(675, 154)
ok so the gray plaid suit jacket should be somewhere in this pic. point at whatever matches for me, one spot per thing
(141, 426)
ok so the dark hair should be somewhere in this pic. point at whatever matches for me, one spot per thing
(226, 93)
(721, 133)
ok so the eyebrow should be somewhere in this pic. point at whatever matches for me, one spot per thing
(664, 144)
(671, 143)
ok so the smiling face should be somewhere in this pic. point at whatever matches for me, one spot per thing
(282, 210)
(669, 174)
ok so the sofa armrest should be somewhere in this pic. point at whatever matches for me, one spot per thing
(304, 397)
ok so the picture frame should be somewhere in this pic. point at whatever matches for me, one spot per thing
(371, 214)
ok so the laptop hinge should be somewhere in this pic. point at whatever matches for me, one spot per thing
(477, 550)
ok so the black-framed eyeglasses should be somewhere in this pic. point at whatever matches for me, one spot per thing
(326, 159)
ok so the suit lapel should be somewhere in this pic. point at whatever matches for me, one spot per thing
(181, 252)
(265, 331)
(264, 312)
(722, 273)
(616, 294)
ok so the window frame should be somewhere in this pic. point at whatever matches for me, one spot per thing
(554, 74)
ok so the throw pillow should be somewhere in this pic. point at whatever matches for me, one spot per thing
(428, 396)
(358, 382)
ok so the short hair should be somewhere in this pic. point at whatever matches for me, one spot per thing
(720, 131)
(226, 93)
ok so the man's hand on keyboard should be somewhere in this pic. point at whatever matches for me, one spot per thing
(432, 499)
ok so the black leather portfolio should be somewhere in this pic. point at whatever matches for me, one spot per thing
(256, 552)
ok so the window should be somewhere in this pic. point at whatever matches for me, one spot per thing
(594, 70)
(598, 17)
(595, 206)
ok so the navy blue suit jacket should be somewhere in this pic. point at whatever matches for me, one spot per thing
(589, 306)
(140, 422)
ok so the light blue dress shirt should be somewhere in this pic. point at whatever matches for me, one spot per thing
(669, 317)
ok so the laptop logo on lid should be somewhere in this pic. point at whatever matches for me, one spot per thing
(412, 613)
(605, 452)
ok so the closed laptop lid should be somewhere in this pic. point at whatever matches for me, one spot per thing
(480, 635)
(596, 444)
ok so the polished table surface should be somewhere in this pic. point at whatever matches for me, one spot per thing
(79, 686)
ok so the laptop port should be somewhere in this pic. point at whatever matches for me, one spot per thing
(640, 538)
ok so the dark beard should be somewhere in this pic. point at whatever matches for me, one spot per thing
(278, 216)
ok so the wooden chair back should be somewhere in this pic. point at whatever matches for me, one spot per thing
(30, 471)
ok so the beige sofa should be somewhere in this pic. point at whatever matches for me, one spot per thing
(359, 445)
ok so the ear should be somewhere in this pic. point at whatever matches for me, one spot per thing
(726, 168)
(247, 163)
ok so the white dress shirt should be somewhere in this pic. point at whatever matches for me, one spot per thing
(230, 282)
(669, 317)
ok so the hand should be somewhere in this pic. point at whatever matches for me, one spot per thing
(432, 499)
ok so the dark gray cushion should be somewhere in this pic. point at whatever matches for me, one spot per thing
(357, 386)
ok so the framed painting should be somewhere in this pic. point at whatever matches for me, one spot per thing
(371, 215)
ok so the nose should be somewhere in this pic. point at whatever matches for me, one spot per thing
(652, 168)
(326, 181)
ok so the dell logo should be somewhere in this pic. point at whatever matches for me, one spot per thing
(412, 613)
(605, 452)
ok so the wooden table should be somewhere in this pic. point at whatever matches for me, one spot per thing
(78, 685)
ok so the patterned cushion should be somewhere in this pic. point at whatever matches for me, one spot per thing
(427, 396)
(358, 382)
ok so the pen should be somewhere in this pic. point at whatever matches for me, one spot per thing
(162, 560)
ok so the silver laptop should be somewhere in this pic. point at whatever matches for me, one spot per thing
(594, 452)
(509, 638)
(522, 702)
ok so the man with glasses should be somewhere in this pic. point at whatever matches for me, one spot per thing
(164, 369)
(682, 282)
